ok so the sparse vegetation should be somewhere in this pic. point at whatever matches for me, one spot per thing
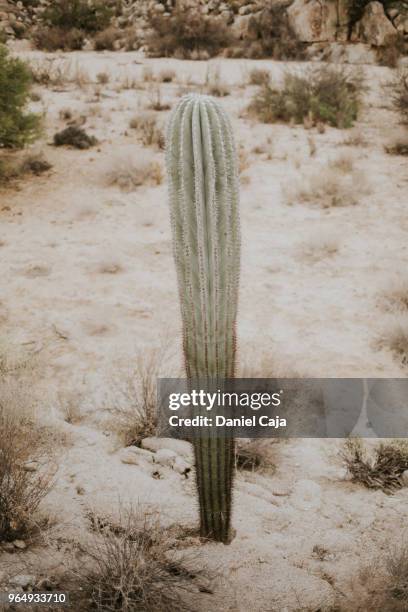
(323, 95)
(17, 126)
(400, 147)
(253, 455)
(167, 75)
(337, 184)
(259, 76)
(189, 33)
(146, 126)
(133, 564)
(22, 444)
(394, 337)
(400, 95)
(130, 173)
(215, 85)
(133, 402)
(74, 137)
(382, 470)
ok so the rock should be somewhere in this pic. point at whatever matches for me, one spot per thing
(181, 447)
(244, 28)
(19, 544)
(374, 27)
(165, 456)
(404, 478)
(23, 580)
(135, 456)
(306, 495)
(341, 53)
(245, 10)
(313, 20)
(181, 466)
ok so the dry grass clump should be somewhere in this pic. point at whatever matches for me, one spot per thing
(399, 147)
(400, 95)
(335, 185)
(214, 84)
(319, 247)
(132, 404)
(133, 564)
(395, 295)
(394, 337)
(75, 137)
(35, 163)
(57, 38)
(129, 173)
(167, 75)
(383, 470)
(151, 134)
(25, 473)
(259, 76)
(156, 102)
(188, 33)
(13, 167)
(322, 95)
(252, 455)
(106, 39)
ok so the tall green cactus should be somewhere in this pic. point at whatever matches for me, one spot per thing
(204, 199)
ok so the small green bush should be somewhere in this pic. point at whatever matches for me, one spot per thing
(17, 127)
(78, 14)
(322, 95)
(74, 137)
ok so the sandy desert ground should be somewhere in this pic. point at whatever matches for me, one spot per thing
(88, 285)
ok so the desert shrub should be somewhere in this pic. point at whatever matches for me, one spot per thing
(35, 163)
(394, 337)
(253, 455)
(258, 76)
(150, 133)
(17, 127)
(90, 17)
(74, 137)
(130, 173)
(381, 471)
(273, 35)
(215, 85)
(156, 102)
(323, 95)
(400, 147)
(167, 75)
(55, 38)
(106, 39)
(132, 564)
(400, 95)
(187, 33)
(333, 185)
(22, 445)
(391, 52)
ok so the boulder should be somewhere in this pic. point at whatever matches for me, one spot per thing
(165, 456)
(314, 20)
(135, 456)
(22, 580)
(374, 27)
(243, 28)
(180, 447)
(404, 478)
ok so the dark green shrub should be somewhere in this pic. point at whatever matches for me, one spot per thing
(74, 137)
(53, 39)
(78, 14)
(322, 95)
(186, 33)
(17, 127)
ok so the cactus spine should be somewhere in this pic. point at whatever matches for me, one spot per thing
(204, 199)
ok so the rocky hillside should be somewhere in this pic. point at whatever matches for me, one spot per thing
(313, 22)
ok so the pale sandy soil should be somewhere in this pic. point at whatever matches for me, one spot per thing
(317, 318)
